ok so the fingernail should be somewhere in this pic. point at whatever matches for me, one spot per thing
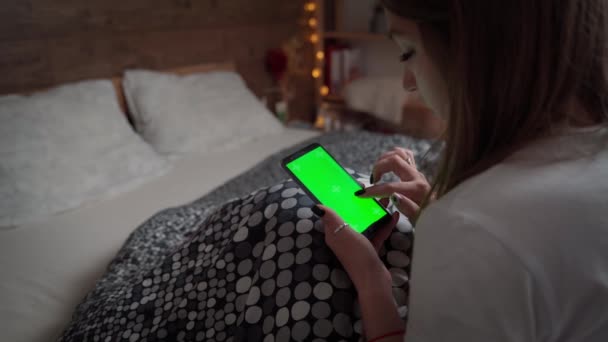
(371, 178)
(359, 192)
(318, 211)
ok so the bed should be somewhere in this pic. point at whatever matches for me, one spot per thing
(49, 266)
(43, 280)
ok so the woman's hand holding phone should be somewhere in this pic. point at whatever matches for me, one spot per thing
(358, 252)
(407, 194)
(359, 256)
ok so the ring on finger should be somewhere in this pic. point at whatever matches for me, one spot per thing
(342, 226)
(409, 161)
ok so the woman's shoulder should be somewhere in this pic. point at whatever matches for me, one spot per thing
(549, 174)
(547, 188)
(537, 204)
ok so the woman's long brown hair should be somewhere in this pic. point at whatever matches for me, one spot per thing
(511, 66)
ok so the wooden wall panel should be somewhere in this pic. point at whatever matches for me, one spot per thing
(47, 42)
(96, 55)
(24, 64)
(32, 19)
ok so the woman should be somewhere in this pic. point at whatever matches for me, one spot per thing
(515, 248)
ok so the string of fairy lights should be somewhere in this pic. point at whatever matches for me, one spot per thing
(312, 10)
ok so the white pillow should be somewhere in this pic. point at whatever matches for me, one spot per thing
(65, 146)
(196, 113)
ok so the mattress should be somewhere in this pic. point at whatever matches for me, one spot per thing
(47, 268)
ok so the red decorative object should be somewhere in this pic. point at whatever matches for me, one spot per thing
(276, 63)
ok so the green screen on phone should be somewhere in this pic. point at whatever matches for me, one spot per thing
(335, 188)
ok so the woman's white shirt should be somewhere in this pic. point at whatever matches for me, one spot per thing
(519, 252)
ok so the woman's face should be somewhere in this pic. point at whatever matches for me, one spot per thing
(420, 71)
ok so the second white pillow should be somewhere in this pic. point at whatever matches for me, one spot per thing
(197, 113)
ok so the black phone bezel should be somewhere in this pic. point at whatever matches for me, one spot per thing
(369, 231)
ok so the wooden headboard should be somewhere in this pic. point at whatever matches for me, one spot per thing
(44, 43)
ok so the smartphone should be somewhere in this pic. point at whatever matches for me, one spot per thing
(329, 184)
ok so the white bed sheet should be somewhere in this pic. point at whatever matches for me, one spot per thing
(46, 269)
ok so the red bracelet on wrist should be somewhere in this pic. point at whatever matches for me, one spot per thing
(390, 334)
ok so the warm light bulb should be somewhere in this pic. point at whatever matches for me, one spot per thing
(316, 73)
(310, 7)
(324, 90)
(320, 55)
(312, 22)
(320, 122)
(314, 38)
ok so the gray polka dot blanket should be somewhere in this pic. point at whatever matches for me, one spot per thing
(253, 268)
